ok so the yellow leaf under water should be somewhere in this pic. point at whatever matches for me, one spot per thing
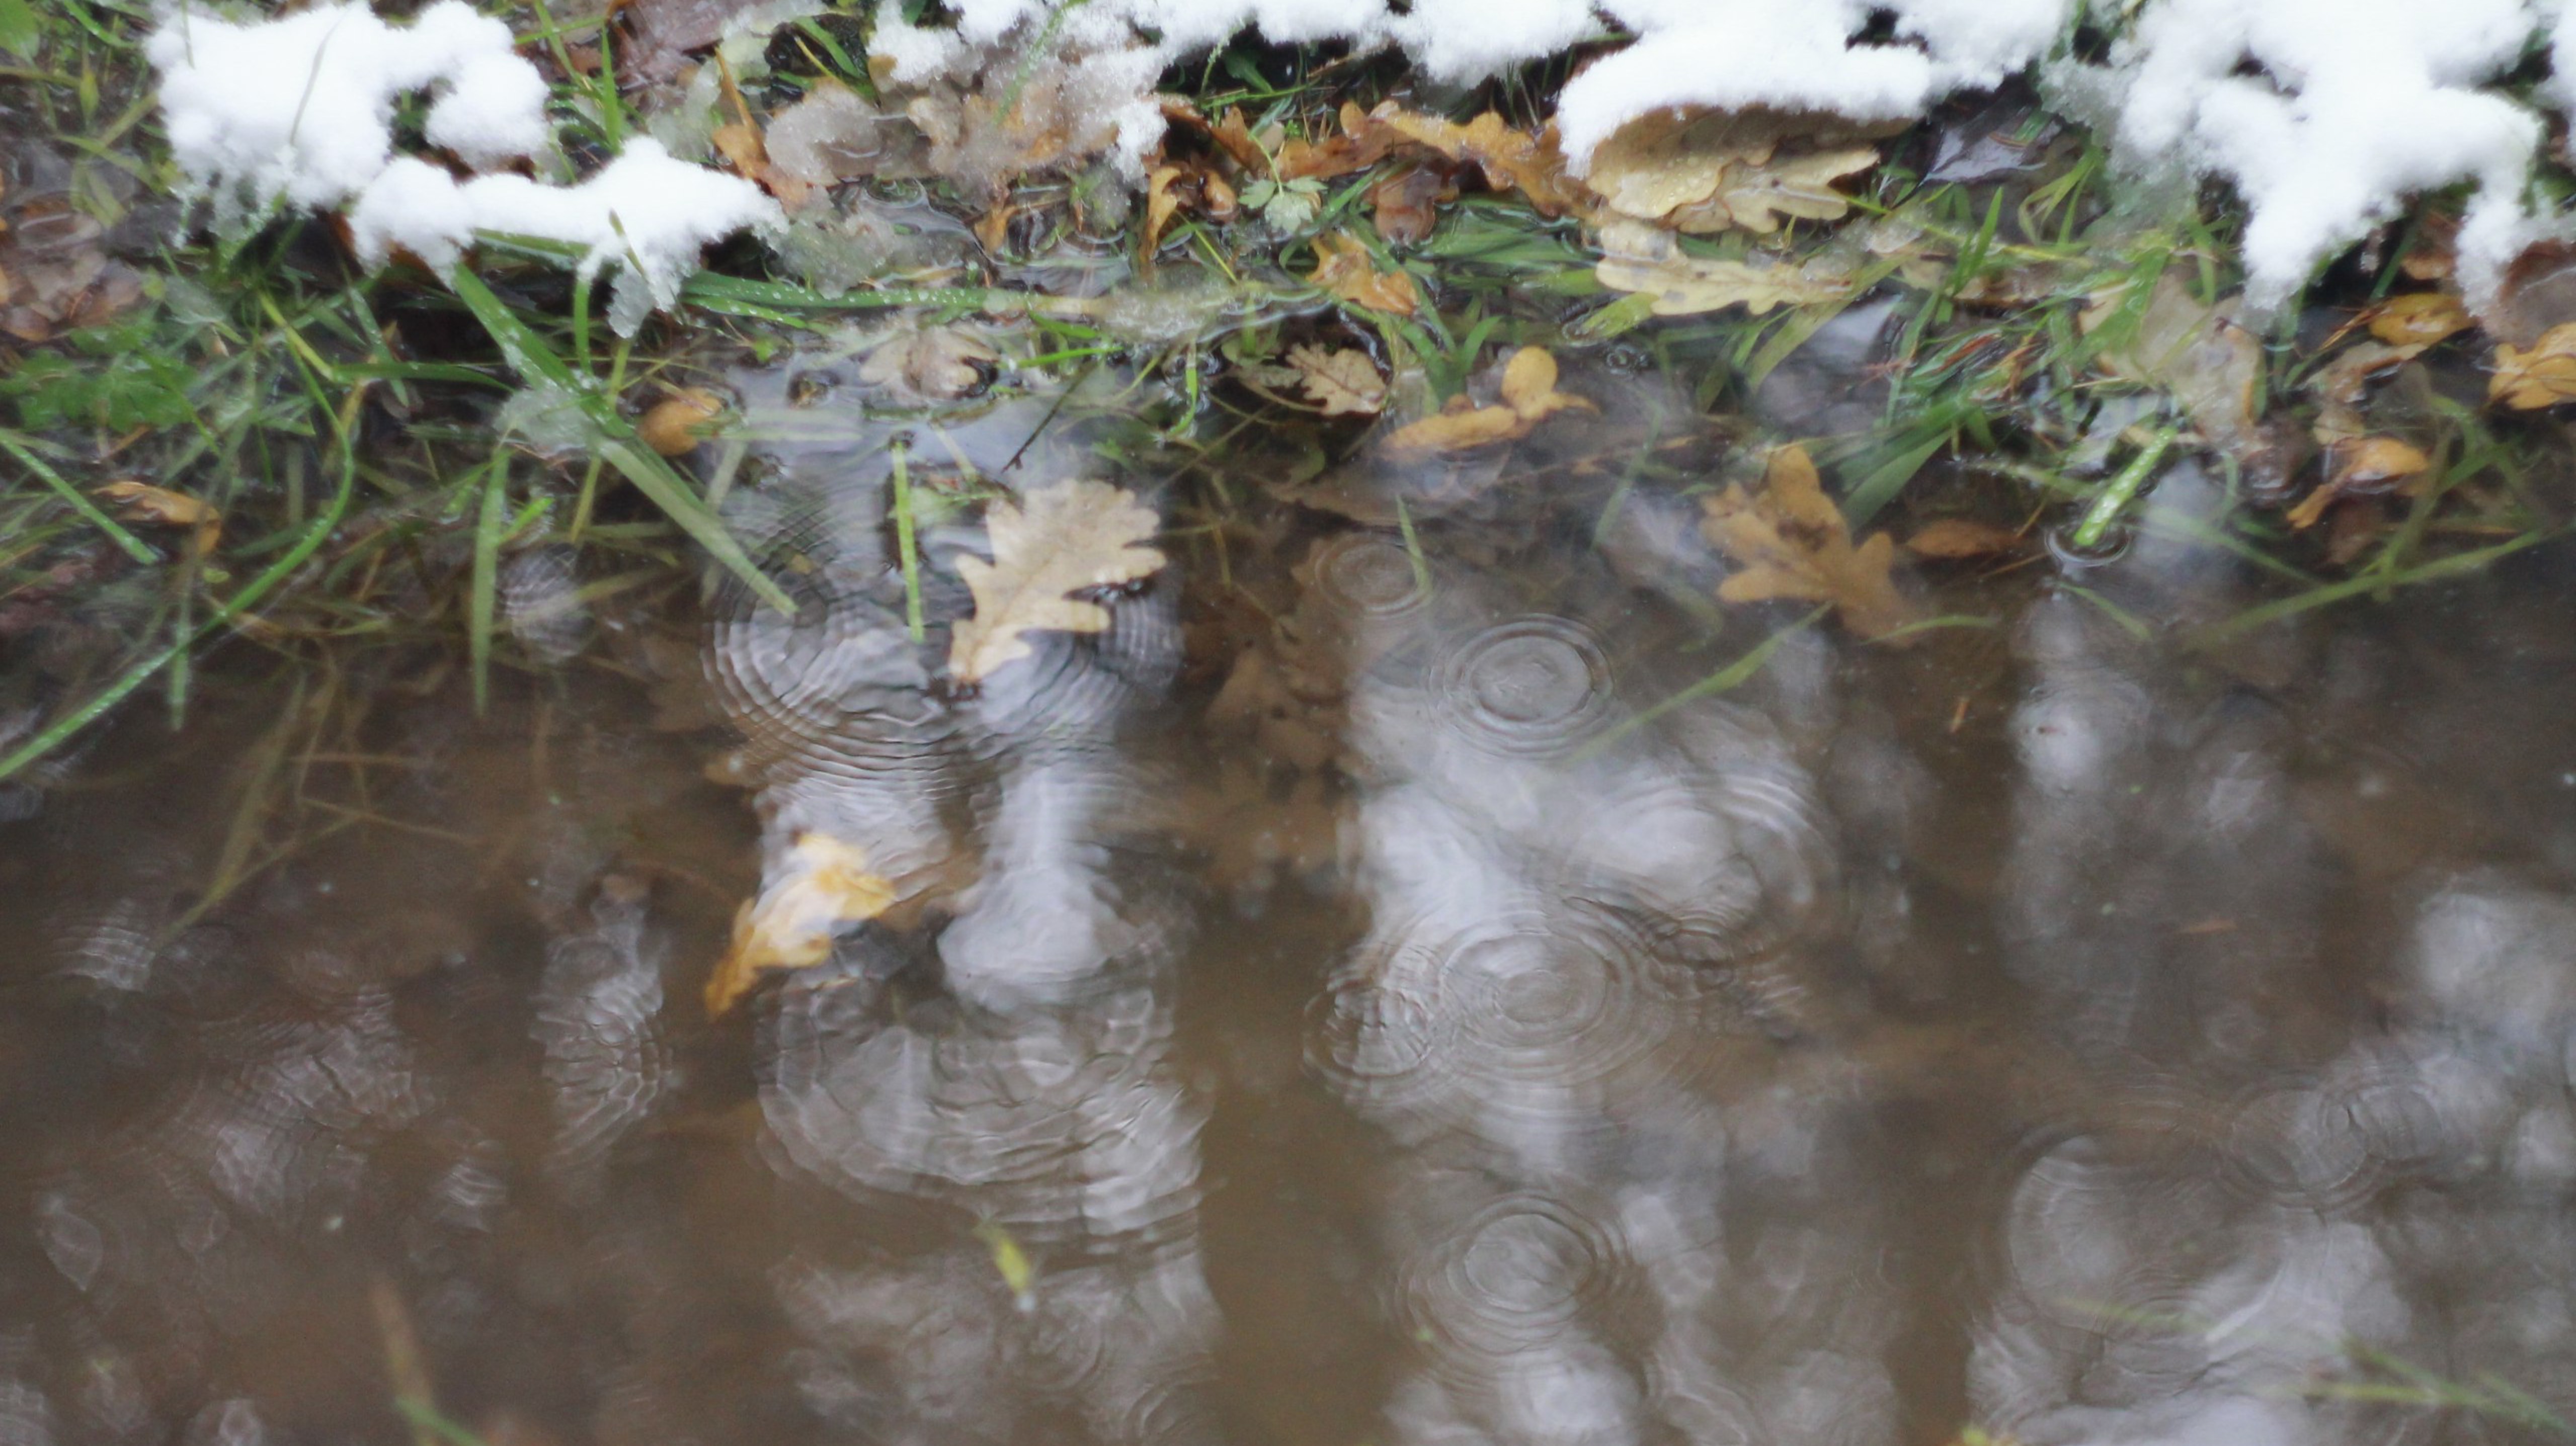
(2543, 376)
(1528, 395)
(1790, 541)
(821, 886)
(1059, 541)
(143, 502)
(1344, 268)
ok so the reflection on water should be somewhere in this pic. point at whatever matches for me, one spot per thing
(1360, 996)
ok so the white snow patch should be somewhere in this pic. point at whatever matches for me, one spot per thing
(299, 110)
(2357, 105)
(644, 211)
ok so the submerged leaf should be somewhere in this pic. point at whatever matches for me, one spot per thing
(1529, 395)
(1790, 541)
(1343, 381)
(1704, 171)
(1640, 258)
(1066, 538)
(2199, 354)
(2543, 376)
(824, 886)
(2419, 319)
(1344, 267)
(677, 423)
(143, 502)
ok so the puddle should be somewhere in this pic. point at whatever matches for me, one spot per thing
(1378, 990)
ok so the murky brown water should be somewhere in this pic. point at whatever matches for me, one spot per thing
(1342, 1003)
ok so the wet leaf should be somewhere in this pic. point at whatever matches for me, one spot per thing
(1342, 381)
(822, 886)
(1285, 206)
(1790, 541)
(1344, 268)
(1362, 144)
(676, 424)
(2543, 376)
(1064, 539)
(937, 365)
(1646, 260)
(1703, 171)
(2196, 353)
(1510, 159)
(2418, 320)
(1960, 539)
(1528, 395)
(2341, 384)
(143, 502)
(1406, 205)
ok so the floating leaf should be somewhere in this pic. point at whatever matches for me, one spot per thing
(1066, 538)
(676, 424)
(143, 502)
(2418, 319)
(2543, 376)
(1528, 395)
(1344, 267)
(1343, 381)
(1511, 159)
(822, 886)
(1790, 541)
(1643, 259)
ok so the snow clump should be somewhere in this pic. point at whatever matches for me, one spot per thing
(299, 111)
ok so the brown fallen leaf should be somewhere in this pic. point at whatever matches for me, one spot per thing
(143, 502)
(2418, 319)
(1958, 539)
(1791, 541)
(1342, 381)
(937, 365)
(2340, 385)
(1361, 144)
(2358, 466)
(676, 424)
(1645, 259)
(2543, 376)
(1703, 171)
(1510, 159)
(1061, 540)
(822, 886)
(1162, 203)
(2198, 354)
(1344, 268)
(1406, 205)
(1528, 396)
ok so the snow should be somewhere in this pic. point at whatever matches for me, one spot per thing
(644, 211)
(299, 110)
(2326, 115)
(2353, 107)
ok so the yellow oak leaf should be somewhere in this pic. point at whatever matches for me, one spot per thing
(1063, 539)
(1790, 541)
(1344, 268)
(821, 886)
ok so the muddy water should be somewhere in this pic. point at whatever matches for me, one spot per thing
(1365, 995)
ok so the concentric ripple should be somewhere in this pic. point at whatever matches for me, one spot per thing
(1531, 686)
(1481, 1017)
(1366, 574)
(1522, 1274)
